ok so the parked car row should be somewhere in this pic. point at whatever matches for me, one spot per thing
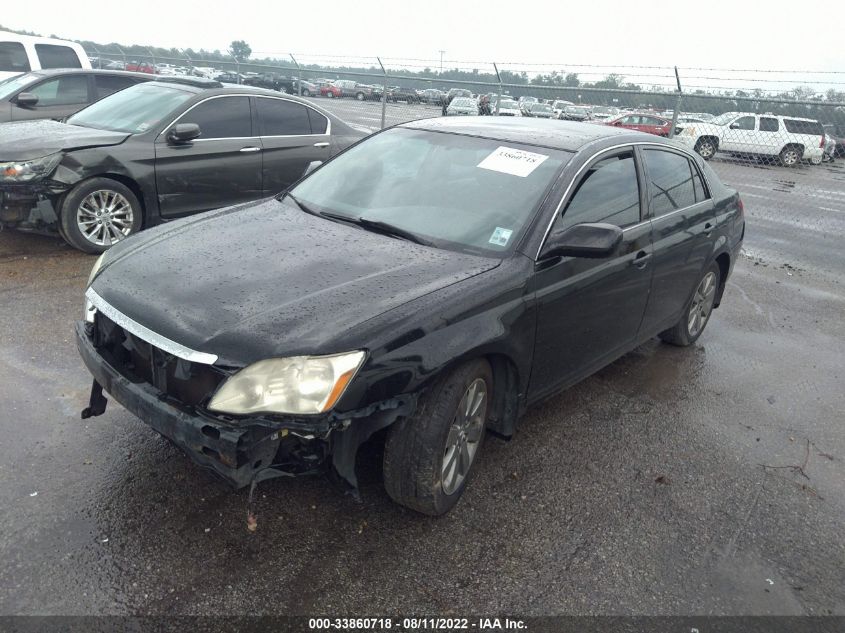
(156, 151)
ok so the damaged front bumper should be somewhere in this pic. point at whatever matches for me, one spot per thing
(242, 451)
(28, 206)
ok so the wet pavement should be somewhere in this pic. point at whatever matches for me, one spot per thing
(705, 480)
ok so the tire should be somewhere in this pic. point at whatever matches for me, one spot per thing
(306, 93)
(706, 148)
(817, 160)
(687, 330)
(360, 96)
(419, 472)
(330, 94)
(791, 155)
(120, 214)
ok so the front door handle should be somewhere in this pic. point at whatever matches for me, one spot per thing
(708, 229)
(324, 144)
(641, 260)
(250, 149)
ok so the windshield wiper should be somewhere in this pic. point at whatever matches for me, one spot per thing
(392, 230)
(375, 225)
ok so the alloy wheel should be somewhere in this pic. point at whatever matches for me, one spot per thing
(104, 217)
(702, 304)
(706, 149)
(790, 157)
(465, 435)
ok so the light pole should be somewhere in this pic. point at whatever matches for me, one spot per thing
(441, 61)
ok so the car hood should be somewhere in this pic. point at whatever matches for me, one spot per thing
(267, 279)
(26, 140)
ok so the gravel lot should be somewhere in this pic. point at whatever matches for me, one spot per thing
(706, 480)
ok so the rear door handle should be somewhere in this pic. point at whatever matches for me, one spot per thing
(321, 144)
(641, 260)
(250, 149)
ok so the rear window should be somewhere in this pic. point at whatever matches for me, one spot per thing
(13, 58)
(796, 126)
(54, 56)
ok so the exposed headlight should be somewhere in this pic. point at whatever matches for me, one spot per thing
(689, 131)
(26, 171)
(296, 385)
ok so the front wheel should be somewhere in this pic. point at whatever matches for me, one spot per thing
(330, 94)
(697, 314)
(360, 96)
(99, 212)
(428, 457)
(306, 93)
(706, 148)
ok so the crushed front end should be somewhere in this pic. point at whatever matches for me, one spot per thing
(171, 394)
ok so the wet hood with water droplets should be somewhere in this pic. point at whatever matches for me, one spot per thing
(27, 140)
(266, 279)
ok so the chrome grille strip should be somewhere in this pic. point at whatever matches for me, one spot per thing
(146, 334)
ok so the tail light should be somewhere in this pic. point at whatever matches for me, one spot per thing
(740, 205)
(822, 143)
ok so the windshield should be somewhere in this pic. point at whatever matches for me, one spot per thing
(577, 109)
(559, 105)
(508, 105)
(134, 110)
(541, 107)
(13, 84)
(459, 192)
(462, 102)
(724, 119)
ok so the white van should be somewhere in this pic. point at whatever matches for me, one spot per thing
(22, 53)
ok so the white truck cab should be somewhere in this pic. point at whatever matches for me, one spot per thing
(21, 53)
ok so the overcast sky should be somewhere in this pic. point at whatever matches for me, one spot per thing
(706, 33)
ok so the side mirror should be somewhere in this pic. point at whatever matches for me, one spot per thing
(592, 241)
(311, 167)
(183, 133)
(734, 126)
(26, 100)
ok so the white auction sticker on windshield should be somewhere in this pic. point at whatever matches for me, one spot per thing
(500, 236)
(516, 162)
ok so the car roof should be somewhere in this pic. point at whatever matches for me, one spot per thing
(564, 135)
(50, 72)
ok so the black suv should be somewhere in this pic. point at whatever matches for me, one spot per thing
(55, 94)
(157, 151)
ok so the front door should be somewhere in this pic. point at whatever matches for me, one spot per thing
(57, 98)
(292, 136)
(589, 310)
(738, 136)
(220, 168)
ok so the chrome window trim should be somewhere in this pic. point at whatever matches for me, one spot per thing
(146, 334)
(589, 161)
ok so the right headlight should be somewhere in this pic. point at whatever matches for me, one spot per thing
(295, 385)
(29, 170)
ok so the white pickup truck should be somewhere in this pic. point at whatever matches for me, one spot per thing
(791, 139)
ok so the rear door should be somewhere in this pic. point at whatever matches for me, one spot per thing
(768, 136)
(220, 168)
(589, 310)
(683, 219)
(106, 84)
(58, 97)
(292, 136)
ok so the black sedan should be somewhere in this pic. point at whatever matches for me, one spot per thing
(56, 94)
(432, 281)
(158, 151)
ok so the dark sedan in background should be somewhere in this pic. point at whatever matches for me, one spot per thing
(432, 282)
(56, 94)
(157, 151)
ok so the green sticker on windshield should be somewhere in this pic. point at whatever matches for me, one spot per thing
(500, 236)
